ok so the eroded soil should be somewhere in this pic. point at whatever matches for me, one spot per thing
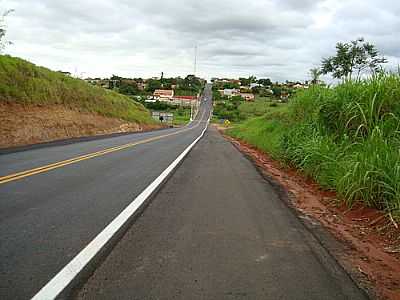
(31, 124)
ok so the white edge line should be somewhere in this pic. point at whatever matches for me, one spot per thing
(63, 278)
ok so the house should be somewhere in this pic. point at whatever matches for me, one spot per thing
(184, 100)
(253, 85)
(247, 96)
(231, 92)
(141, 86)
(284, 96)
(235, 81)
(269, 91)
(163, 94)
(298, 86)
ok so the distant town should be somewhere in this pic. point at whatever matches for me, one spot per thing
(174, 100)
(181, 91)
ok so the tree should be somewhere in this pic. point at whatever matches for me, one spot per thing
(247, 81)
(255, 90)
(265, 82)
(357, 56)
(252, 79)
(3, 43)
(244, 81)
(128, 88)
(277, 91)
(315, 73)
(153, 85)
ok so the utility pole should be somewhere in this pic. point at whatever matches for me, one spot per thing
(195, 60)
(191, 111)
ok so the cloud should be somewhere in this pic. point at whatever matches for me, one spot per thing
(277, 39)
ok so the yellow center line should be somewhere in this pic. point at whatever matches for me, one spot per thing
(46, 168)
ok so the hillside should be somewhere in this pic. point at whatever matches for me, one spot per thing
(38, 105)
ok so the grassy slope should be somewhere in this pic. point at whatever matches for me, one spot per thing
(23, 82)
(263, 132)
(259, 107)
(347, 138)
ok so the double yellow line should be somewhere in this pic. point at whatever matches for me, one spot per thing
(46, 168)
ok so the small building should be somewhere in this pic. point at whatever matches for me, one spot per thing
(184, 100)
(141, 86)
(253, 85)
(163, 94)
(284, 96)
(298, 86)
(247, 96)
(231, 92)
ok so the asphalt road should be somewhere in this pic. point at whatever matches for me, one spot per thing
(47, 216)
(218, 230)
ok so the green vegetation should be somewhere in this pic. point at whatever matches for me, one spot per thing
(181, 116)
(346, 138)
(189, 86)
(236, 109)
(25, 83)
(228, 108)
(259, 107)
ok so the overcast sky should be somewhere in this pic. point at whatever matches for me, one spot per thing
(279, 39)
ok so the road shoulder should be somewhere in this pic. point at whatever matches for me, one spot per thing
(352, 240)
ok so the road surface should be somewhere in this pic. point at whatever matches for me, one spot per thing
(215, 230)
(48, 216)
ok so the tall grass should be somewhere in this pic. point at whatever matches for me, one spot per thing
(346, 137)
(25, 83)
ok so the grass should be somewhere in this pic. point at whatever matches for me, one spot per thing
(181, 116)
(257, 108)
(25, 83)
(260, 98)
(346, 138)
(237, 110)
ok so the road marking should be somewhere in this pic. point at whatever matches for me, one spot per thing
(49, 167)
(63, 278)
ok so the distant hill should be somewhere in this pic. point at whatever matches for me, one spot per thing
(37, 104)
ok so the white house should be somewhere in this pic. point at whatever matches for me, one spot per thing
(231, 92)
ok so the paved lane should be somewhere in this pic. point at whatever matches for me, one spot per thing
(47, 218)
(217, 230)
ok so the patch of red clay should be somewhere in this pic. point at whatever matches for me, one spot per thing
(32, 124)
(372, 241)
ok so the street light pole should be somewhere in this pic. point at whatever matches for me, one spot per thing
(191, 111)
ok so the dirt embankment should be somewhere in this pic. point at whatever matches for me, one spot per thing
(370, 240)
(31, 124)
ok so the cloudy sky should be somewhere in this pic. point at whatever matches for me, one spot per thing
(279, 39)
